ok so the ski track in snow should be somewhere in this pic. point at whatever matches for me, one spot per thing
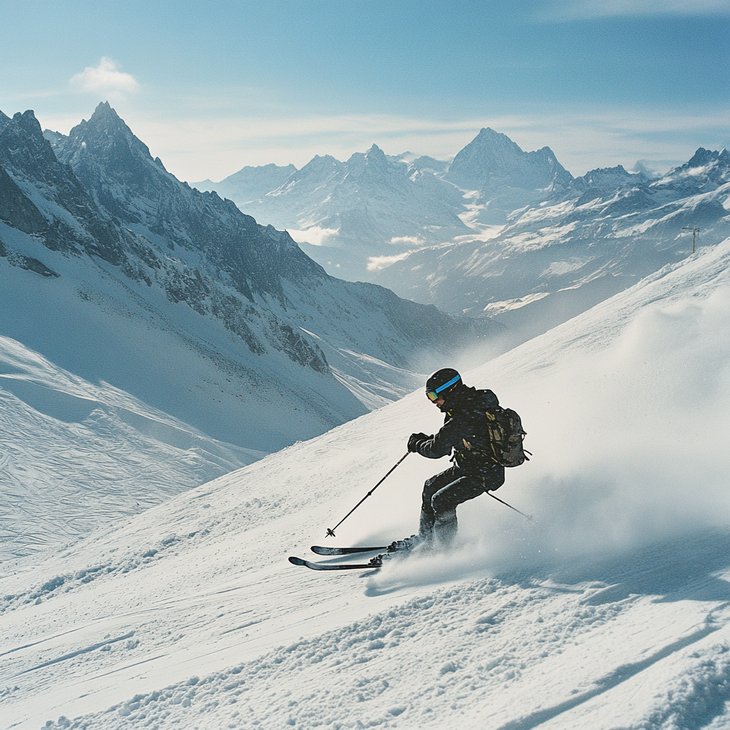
(610, 610)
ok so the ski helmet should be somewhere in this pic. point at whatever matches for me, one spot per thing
(441, 383)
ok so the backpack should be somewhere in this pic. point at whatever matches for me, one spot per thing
(504, 427)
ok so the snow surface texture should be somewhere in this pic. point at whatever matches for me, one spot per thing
(75, 455)
(610, 610)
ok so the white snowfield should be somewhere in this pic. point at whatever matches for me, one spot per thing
(76, 455)
(611, 609)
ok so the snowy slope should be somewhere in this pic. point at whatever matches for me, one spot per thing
(71, 439)
(76, 455)
(609, 610)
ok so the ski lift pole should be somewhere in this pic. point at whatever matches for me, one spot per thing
(527, 517)
(331, 530)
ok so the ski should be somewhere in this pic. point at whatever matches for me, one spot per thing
(332, 566)
(346, 550)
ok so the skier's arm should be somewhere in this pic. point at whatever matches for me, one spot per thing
(434, 447)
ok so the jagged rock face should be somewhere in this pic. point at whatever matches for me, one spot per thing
(493, 159)
(704, 172)
(124, 179)
(24, 149)
(29, 161)
(17, 209)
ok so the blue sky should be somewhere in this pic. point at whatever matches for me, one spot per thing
(212, 86)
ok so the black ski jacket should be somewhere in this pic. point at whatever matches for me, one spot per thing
(464, 431)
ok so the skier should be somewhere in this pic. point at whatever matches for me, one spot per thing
(473, 472)
(482, 438)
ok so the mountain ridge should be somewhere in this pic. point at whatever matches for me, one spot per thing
(367, 206)
(538, 246)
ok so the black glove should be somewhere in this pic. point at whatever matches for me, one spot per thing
(416, 439)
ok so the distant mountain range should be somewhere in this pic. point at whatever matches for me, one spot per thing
(116, 271)
(359, 215)
(498, 232)
(554, 259)
(250, 183)
(370, 206)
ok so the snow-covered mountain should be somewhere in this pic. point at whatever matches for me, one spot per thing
(533, 246)
(249, 183)
(358, 216)
(578, 246)
(183, 325)
(116, 271)
(609, 609)
(345, 214)
(503, 177)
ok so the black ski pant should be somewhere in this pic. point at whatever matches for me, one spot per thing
(444, 492)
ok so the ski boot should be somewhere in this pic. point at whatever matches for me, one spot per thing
(407, 543)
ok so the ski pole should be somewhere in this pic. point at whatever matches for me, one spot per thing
(331, 531)
(528, 517)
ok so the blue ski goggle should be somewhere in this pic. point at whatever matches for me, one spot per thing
(433, 395)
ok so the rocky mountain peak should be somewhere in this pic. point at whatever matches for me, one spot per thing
(25, 133)
(111, 162)
(489, 149)
(375, 153)
(107, 135)
(105, 114)
(706, 170)
(319, 165)
(705, 157)
(106, 123)
(27, 121)
(30, 160)
(28, 155)
(609, 178)
(492, 159)
(371, 166)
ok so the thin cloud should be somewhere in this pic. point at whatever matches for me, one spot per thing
(105, 78)
(561, 10)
